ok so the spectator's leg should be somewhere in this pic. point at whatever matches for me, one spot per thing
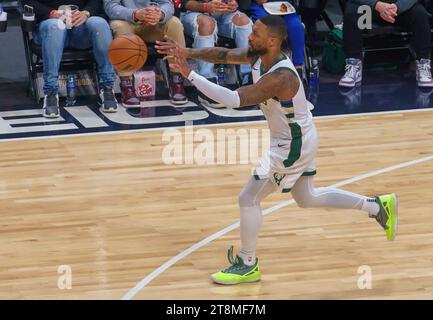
(237, 26)
(202, 28)
(96, 33)
(352, 35)
(296, 39)
(129, 97)
(121, 27)
(416, 19)
(352, 41)
(173, 29)
(52, 35)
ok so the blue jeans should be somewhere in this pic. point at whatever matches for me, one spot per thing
(226, 28)
(53, 36)
(295, 31)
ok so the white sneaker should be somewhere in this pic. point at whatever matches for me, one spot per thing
(353, 74)
(423, 73)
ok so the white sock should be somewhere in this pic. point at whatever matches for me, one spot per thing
(251, 220)
(371, 206)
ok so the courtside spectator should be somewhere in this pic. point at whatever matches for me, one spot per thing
(87, 31)
(295, 29)
(150, 21)
(408, 13)
(205, 20)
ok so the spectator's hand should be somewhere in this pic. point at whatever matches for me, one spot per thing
(78, 18)
(149, 16)
(217, 6)
(388, 12)
(232, 5)
(261, 1)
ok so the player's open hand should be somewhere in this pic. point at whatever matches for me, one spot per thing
(179, 63)
(168, 48)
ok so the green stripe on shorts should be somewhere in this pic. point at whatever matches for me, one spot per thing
(295, 145)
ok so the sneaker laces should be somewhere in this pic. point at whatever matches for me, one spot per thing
(236, 264)
(177, 83)
(424, 70)
(51, 100)
(379, 216)
(351, 70)
(108, 94)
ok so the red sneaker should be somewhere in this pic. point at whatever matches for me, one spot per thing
(177, 90)
(129, 98)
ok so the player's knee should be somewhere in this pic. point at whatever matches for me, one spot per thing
(206, 25)
(240, 19)
(245, 199)
(303, 201)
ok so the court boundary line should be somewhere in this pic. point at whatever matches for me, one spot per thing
(84, 134)
(155, 273)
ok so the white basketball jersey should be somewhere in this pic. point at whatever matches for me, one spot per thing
(286, 119)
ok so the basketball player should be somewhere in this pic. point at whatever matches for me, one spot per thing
(291, 162)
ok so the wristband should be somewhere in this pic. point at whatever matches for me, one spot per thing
(134, 16)
(206, 7)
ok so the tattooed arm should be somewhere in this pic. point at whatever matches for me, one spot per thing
(219, 55)
(212, 55)
(282, 83)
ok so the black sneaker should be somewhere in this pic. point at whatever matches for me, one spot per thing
(206, 101)
(51, 106)
(108, 101)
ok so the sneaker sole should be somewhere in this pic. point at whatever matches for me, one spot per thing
(108, 110)
(51, 116)
(179, 102)
(426, 85)
(233, 283)
(396, 218)
(344, 85)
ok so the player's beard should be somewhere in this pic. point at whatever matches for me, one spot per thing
(256, 52)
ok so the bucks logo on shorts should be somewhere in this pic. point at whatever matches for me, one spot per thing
(278, 178)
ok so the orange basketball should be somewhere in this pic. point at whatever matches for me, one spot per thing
(127, 53)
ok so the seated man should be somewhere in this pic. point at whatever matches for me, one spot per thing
(204, 20)
(295, 29)
(407, 13)
(151, 21)
(88, 31)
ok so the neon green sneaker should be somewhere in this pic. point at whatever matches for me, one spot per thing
(388, 214)
(238, 272)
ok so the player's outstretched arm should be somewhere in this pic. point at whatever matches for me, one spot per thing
(282, 84)
(212, 55)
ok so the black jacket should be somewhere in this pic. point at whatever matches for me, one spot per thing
(43, 7)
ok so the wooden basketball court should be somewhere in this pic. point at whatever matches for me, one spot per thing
(107, 206)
